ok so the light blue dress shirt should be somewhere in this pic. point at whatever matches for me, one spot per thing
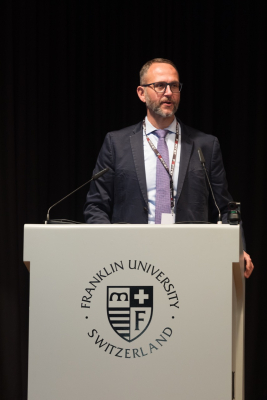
(151, 163)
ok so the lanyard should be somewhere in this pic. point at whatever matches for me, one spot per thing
(163, 162)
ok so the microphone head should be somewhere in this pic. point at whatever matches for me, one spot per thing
(100, 173)
(201, 157)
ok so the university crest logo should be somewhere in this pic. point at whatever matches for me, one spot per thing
(129, 310)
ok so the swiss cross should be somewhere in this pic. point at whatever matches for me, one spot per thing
(141, 296)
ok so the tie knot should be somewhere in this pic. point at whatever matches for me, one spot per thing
(161, 133)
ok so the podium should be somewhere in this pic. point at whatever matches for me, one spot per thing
(135, 312)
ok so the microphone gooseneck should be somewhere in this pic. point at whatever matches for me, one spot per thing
(94, 177)
(203, 162)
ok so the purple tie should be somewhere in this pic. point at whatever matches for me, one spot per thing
(163, 200)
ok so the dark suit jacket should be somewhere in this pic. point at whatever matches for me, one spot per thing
(120, 195)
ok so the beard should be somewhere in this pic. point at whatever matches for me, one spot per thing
(155, 106)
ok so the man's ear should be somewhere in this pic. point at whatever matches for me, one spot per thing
(141, 93)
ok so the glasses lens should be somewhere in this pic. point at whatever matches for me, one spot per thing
(160, 87)
(175, 87)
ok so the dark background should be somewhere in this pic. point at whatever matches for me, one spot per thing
(69, 71)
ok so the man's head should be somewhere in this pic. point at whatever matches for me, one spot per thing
(161, 101)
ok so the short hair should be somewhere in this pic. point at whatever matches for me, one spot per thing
(148, 64)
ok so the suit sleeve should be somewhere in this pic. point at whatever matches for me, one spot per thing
(99, 201)
(220, 186)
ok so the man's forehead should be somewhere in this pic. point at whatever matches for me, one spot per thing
(162, 70)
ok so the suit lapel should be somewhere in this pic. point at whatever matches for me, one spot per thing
(137, 146)
(186, 149)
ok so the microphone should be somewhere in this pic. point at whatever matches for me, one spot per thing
(202, 160)
(94, 177)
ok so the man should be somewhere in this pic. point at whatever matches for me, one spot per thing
(145, 158)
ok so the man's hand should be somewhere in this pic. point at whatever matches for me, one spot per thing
(249, 265)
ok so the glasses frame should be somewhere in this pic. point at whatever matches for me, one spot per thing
(166, 84)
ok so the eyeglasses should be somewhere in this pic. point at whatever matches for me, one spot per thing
(160, 87)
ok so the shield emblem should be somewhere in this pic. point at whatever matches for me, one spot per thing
(129, 310)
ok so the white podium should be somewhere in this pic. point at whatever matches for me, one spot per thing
(135, 312)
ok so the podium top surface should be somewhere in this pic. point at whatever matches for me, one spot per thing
(133, 226)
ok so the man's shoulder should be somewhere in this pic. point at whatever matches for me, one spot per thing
(192, 133)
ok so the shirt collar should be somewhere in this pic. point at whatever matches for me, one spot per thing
(150, 128)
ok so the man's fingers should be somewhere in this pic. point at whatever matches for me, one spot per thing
(249, 265)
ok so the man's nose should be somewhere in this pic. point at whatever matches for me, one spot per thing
(168, 91)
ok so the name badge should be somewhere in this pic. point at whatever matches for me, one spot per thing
(167, 219)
